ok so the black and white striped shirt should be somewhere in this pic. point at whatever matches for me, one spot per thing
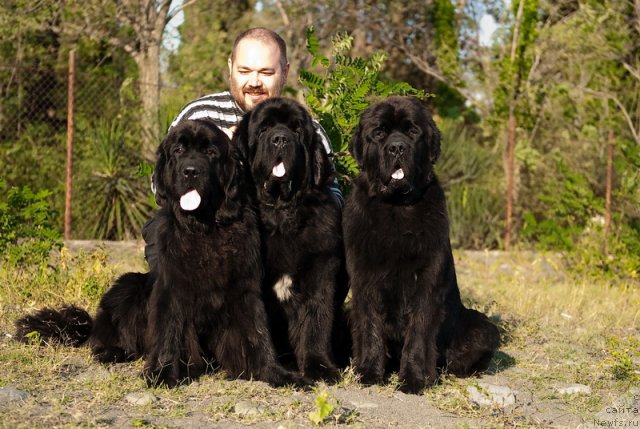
(225, 112)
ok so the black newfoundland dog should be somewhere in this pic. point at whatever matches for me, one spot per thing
(202, 307)
(406, 309)
(305, 284)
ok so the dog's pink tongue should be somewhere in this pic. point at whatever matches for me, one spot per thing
(279, 170)
(398, 174)
(190, 201)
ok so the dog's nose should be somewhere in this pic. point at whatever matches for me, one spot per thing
(190, 172)
(279, 139)
(396, 148)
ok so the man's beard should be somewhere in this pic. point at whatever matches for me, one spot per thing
(239, 93)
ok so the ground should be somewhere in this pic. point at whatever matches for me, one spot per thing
(569, 358)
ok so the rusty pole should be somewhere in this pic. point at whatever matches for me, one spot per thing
(70, 128)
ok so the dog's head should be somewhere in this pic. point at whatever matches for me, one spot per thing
(396, 144)
(284, 150)
(197, 172)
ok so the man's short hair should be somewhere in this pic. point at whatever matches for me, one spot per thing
(265, 35)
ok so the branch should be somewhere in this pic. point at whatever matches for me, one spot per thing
(635, 73)
(283, 13)
(176, 10)
(634, 132)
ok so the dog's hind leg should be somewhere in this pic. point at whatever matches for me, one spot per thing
(118, 332)
(472, 345)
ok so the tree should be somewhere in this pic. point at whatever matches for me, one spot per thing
(137, 27)
(513, 75)
(199, 66)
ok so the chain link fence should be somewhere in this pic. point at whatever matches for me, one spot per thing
(34, 118)
(32, 97)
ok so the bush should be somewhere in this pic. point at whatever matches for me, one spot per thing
(469, 173)
(342, 90)
(568, 205)
(27, 231)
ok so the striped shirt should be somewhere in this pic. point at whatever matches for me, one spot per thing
(225, 113)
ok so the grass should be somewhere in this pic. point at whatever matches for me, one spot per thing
(557, 330)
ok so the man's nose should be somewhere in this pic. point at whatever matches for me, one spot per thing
(254, 79)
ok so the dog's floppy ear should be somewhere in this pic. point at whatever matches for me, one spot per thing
(356, 144)
(158, 178)
(241, 138)
(233, 183)
(321, 164)
(433, 139)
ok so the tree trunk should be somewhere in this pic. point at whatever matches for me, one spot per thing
(510, 170)
(511, 131)
(149, 86)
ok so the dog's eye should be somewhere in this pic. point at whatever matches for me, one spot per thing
(414, 132)
(212, 151)
(178, 149)
(379, 133)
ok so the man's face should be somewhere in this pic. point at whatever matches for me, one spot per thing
(256, 73)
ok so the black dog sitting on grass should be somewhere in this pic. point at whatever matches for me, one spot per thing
(202, 307)
(406, 309)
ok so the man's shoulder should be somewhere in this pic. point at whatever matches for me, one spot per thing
(218, 99)
(219, 106)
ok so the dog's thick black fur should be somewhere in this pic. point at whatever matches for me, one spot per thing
(305, 282)
(201, 308)
(406, 307)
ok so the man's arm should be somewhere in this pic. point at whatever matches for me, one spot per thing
(333, 186)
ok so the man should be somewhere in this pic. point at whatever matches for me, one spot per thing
(258, 69)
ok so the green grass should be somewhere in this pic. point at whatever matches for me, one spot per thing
(557, 329)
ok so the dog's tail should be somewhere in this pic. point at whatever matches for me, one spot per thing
(70, 326)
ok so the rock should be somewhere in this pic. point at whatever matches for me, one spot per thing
(574, 389)
(140, 398)
(364, 405)
(488, 395)
(11, 394)
(247, 408)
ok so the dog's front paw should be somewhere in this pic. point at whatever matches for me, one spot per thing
(278, 377)
(110, 354)
(412, 385)
(415, 383)
(369, 376)
(159, 375)
(320, 369)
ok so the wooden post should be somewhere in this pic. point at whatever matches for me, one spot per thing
(608, 190)
(70, 127)
(511, 148)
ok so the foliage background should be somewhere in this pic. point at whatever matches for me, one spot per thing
(567, 72)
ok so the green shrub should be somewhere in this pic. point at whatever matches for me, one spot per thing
(623, 359)
(27, 231)
(343, 88)
(114, 193)
(567, 206)
(469, 173)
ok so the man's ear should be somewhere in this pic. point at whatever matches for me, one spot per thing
(230, 64)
